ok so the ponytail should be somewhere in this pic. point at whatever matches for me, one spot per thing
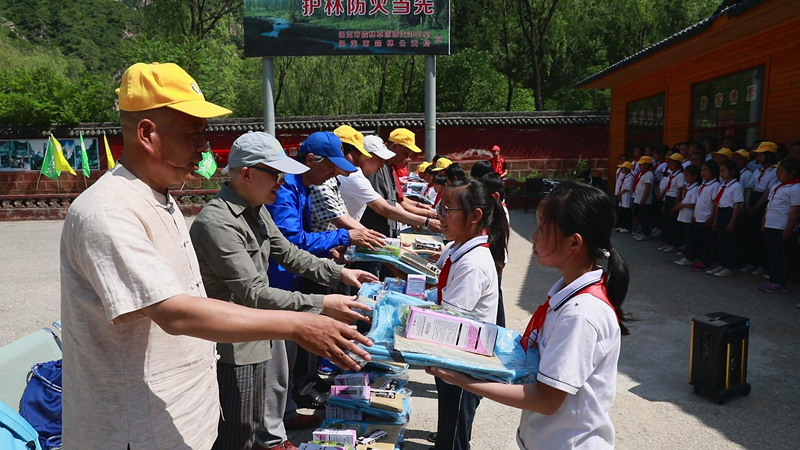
(472, 195)
(616, 280)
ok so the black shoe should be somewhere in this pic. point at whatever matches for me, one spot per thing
(432, 437)
(313, 400)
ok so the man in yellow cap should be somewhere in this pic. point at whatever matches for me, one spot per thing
(139, 330)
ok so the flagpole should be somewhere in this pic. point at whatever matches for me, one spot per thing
(37, 180)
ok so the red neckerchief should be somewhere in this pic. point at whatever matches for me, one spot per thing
(621, 182)
(775, 191)
(638, 176)
(686, 191)
(442, 282)
(497, 165)
(705, 183)
(438, 198)
(597, 289)
(763, 171)
(719, 194)
(669, 183)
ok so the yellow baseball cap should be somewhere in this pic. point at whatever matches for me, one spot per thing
(349, 135)
(675, 157)
(724, 152)
(767, 146)
(626, 165)
(150, 86)
(422, 166)
(441, 164)
(647, 160)
(743, 153)
(405, 138)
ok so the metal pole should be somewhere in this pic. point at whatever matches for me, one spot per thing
(268, 75)
(430, 107)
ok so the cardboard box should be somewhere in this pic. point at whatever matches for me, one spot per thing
(352, 379)
(457, 332)
(345, 436)
(320, 445)
(351, 392)
(336, 413)
(415, 286)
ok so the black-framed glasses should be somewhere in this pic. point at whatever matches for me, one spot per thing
(279, 175)
(442, 210)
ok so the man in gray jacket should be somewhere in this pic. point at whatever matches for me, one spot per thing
(234, 237)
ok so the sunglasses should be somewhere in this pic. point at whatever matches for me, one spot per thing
(442, 210)
(279, 175)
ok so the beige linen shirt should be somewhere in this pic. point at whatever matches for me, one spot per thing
(126, 381)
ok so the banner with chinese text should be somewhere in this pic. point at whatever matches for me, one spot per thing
(346, 27)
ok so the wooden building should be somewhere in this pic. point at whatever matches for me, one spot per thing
(736, 73)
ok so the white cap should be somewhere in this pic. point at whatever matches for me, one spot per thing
(374, 144)
(257, 147)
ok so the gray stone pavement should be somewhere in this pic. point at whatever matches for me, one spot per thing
(655, 406)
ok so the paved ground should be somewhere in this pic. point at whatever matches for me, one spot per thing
(655, 407)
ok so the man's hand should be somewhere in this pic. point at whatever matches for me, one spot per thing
(337, 253)
(353, 277)
(341, 308)
(326, 337)
(435, 226)
(367, 238)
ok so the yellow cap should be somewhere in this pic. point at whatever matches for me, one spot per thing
(349, 135)
(405, 138)
(675, 157)
(767, 146)
(422, 166)
(724, 152)
(645, 160)
(626, 165)
(743, 153)
(441, 164)
(150, 86)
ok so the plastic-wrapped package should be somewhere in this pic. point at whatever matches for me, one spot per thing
(511, 364)
(393, 284)
(395, 434)
(382, 414)
(353, 255)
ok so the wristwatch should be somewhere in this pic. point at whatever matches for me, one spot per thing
(427, 221)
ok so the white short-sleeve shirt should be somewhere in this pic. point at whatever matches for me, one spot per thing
(472, 282)
(125, 247)
(732, 194)
(706, 194)
(746, 178)
(579, 346)
(675, 181)
(765, 179)
(617, 180)
(690, 198)
(644, 180)
(627, 185)
(356, 192)
(781, 200)
(686, 163)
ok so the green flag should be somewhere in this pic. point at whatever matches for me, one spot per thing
(208, 166)
(85, 159)
(49, 163)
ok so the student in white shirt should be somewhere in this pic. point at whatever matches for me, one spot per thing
(624, 188)
(673, 189)
(622, 159)
(685, 210)
(643, 196)
(475, 224)
(660, 170)
(764, 180)
(728, 202)
(780, 221)
(577, 331)
(703, 218)
(637, 155)
(743, 227)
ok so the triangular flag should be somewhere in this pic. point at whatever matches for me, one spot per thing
(208, 166)
(49, 162)
(109, 157)
(61, 161)
(85, 159)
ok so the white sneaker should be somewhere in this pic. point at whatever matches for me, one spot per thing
(766, 276)
(657, 234)
(724, 273)
(669, 249)
(748, 268)
(715, 270)
(683, 262)
(623, 231)
(681, 254)
(661, 249)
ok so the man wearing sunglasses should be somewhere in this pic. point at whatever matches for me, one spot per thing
(235, 237)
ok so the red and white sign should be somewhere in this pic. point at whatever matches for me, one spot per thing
(703, 103)
(752, 92)
(734, 97)
(718, 99)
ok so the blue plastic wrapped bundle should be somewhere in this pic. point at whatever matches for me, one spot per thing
(511, 365)
(352, 255)
(392, 417)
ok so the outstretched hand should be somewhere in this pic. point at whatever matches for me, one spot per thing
(326, 337)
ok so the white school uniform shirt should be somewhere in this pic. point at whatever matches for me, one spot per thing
(781, 200)
(357, 191)
(644, 180)
(636, 168)
(617, 179)
(746, 178)
(690, 198)
(678, 181)
(579, 346)
(753, 165)
(660, 170)
(706, 193)
(472, 282)
(686, 163)
(709, 157)
(732, 194)
(765, 179)
(662, 183)
(627, 184)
